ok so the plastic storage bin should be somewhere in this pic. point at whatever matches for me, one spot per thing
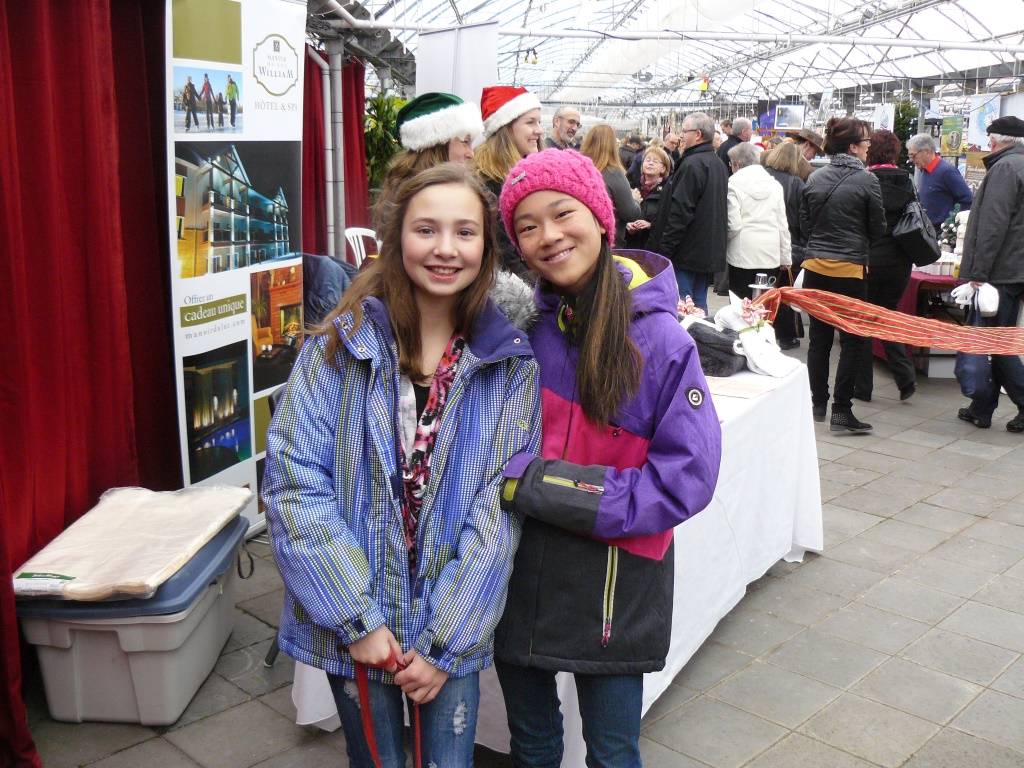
(138, 661)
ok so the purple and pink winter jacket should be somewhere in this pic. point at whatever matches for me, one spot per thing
(591, 589)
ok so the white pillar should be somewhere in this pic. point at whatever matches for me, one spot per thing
(336, 52)
(325, 73)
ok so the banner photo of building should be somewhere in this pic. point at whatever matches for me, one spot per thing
(234, 116)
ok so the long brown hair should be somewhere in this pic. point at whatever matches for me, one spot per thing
(601, 147)
(496, 156)
(386, 279)
(610, 366)
(409, 162)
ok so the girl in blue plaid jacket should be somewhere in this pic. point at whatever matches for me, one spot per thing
(384, 461)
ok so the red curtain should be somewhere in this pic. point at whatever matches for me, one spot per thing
(86, 393)
(314, 179)
(314, 176)
(357, 187)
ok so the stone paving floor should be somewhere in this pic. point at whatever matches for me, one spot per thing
(900, 645)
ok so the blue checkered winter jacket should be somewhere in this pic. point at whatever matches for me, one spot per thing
(333, 490)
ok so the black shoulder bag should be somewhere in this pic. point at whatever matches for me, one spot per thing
(915, 234)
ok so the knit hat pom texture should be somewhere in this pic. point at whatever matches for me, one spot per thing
(559, 170)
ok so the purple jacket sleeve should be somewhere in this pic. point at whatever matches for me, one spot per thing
(676, 481)
(679, 477)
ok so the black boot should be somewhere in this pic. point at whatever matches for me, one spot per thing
(845, 421)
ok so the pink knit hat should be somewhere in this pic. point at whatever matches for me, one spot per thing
(561, 170)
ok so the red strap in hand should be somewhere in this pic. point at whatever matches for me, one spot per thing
(363, 684)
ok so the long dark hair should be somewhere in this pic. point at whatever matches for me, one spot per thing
(386, 278)
(609, 367)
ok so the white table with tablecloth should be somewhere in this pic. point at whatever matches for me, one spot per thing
(766, 507)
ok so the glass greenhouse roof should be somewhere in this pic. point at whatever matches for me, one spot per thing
(614, 78)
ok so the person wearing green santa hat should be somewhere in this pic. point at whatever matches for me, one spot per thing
(433, 128)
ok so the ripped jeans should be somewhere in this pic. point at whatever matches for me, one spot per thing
(447, 724)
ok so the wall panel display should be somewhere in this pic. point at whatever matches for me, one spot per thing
(234, 119)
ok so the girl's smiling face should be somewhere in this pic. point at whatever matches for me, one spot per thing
(559, 237)
(526, 131)
(442, 242)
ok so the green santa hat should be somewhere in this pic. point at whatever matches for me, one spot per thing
(436, 118)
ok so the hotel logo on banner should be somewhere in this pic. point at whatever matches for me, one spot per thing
(275, 65)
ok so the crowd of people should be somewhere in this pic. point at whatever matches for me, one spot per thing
(463, 524)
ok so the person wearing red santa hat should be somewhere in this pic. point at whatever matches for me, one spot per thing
(512, 130)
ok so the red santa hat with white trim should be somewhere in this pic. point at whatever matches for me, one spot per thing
(501, 104)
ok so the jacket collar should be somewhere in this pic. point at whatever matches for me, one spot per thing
(704, 146)
(493, 337)
(650, 277)
(995, 157)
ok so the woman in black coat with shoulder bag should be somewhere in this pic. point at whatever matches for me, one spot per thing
(888, 266)
(841, 214)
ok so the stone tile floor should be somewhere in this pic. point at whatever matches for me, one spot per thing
(900, 645)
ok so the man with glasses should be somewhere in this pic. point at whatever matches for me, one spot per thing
(564, 126)
(691, 229)
(939, 184)
(673, 149)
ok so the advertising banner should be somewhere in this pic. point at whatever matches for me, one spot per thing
(974, 173)
(952, 143)
(885, 116)
(234, 117)
(984, 109)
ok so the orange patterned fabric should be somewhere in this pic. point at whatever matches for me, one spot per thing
(866, 319)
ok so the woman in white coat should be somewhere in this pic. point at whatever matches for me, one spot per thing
(759, 239)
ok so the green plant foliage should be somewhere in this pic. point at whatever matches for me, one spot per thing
(378, 126)
(905, 112)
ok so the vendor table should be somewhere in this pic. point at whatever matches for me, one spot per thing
(767, 506)
(934, 363)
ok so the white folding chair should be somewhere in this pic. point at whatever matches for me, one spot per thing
(355, 236)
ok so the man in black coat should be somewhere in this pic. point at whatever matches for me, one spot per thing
(692, 224)
(742, 130)
(994, 254)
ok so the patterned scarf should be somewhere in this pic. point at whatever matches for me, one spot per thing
(416, 470)
(646, 187)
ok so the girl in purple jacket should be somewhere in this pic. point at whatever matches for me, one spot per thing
(631, 447)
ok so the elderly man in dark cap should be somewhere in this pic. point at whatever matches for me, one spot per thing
(994, 254)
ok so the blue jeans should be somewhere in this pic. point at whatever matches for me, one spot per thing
(447, 724)
(610, 706)
(695, 285)
(1007, 370)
